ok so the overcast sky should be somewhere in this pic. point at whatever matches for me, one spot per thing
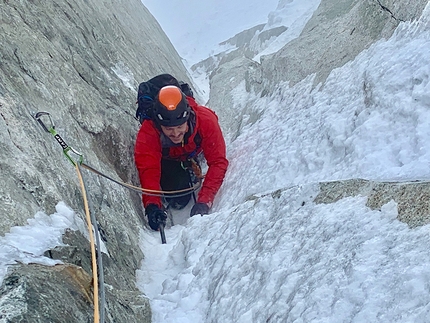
(195, 27)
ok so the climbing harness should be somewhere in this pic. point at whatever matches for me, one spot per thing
(194, 172)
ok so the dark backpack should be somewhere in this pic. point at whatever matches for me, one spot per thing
(148, 91)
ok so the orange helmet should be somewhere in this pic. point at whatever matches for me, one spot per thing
(171, 107)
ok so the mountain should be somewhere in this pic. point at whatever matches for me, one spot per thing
(295, 132)
(326, 38)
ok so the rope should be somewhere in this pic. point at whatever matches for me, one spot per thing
(93, 252)
(91, 220)
(99, 260)
(67, 150)
(146, 191)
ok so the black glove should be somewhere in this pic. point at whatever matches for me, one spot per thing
(156, 216)
(199, 208)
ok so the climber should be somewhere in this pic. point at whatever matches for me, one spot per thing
(168, 149)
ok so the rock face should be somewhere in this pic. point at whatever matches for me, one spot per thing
(30, 294)
(81, 61)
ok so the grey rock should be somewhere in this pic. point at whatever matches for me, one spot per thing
(31, 293)
(411, 197)
(231, 114)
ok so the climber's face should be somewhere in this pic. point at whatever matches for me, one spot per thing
(176, 134)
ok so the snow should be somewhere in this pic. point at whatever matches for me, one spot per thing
(125, 75)
(275, 256)
(369, 121)
(267, 252)
(274, 260)
(27, 244)
(292, 14)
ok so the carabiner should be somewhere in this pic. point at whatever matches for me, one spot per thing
(38, 115)
(66, 148)
(69, 149)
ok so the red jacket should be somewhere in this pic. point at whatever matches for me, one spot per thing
(148, 153)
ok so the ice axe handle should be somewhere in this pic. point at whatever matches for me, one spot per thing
(162, 234)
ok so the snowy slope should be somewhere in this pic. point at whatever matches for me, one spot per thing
(264, 257)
